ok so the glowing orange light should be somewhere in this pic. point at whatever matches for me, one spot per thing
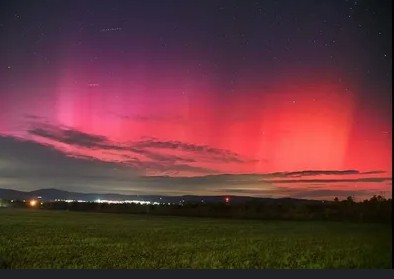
(33, 203)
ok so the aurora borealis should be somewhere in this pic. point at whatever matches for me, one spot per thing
(259, 98)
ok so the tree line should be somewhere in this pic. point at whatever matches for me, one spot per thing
(375, 209)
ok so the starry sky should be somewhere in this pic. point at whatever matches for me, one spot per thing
(259, 98)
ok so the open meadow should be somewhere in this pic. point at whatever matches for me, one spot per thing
(33, 238)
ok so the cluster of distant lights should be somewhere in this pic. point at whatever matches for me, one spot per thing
(112, 202)
(127, 201)
(34, 203)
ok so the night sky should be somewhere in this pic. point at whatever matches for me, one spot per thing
(258, 98)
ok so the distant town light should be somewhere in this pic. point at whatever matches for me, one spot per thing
(227, 199)
(33, 203)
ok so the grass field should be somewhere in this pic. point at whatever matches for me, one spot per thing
(54, 239)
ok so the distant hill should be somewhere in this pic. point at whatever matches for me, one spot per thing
(52, 194)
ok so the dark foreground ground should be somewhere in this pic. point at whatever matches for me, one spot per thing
(59, 239)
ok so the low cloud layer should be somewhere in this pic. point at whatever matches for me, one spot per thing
(221, 154)
(30, 165)
(327, 181)
(73, 137)
(175, 156)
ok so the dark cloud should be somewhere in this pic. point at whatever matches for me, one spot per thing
(222, 154)
(374, 172)
(74, 137)
(256, 176)
(154, 161)
(363, 179)
(319, 172)
(144, 147)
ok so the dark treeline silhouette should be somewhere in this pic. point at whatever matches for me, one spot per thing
(375, 209)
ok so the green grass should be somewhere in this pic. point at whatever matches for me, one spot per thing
(59, 239)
